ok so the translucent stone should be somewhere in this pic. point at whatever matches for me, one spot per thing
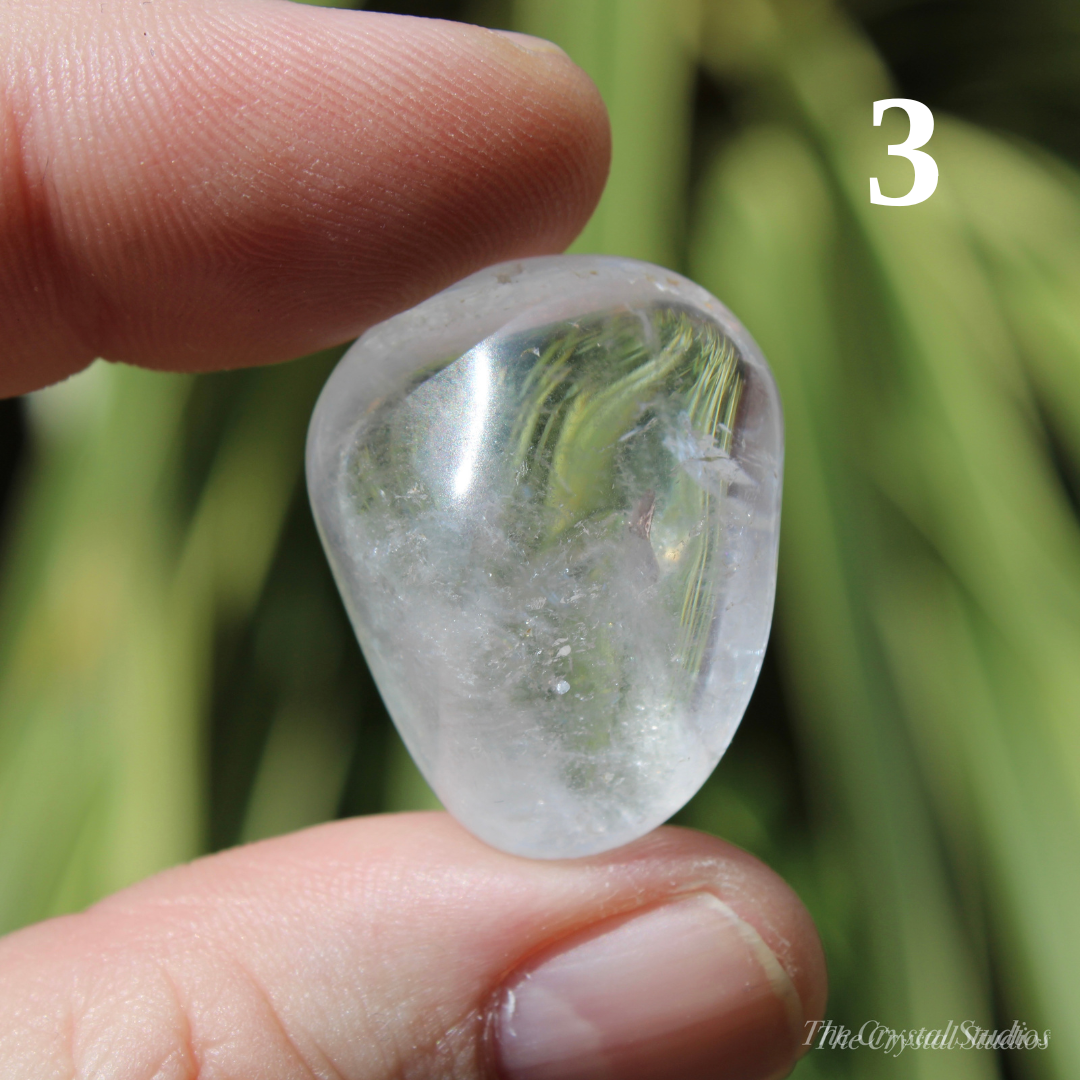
(550, 496)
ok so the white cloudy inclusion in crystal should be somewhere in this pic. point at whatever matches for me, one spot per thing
(550, 496)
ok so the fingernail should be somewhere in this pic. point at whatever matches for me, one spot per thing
(684, 989)
(530, 43)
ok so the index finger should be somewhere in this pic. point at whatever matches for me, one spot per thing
(196, 185)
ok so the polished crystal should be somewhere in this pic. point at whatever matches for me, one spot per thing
(550, 496)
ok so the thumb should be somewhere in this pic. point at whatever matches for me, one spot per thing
(195, 184)
(400, 946)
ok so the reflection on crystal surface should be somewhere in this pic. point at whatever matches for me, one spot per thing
(557, 544)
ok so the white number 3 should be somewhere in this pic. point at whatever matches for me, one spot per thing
(926, 172)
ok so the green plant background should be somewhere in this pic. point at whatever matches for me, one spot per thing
(177, 675)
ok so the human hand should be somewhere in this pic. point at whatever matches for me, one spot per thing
(192, 185)
(400, 946)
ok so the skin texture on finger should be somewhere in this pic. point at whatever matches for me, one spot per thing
(198, 184)
(361, 950)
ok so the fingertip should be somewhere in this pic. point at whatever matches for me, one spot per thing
(514, 915)
(241, 182)
(755, 893)
(714, 974)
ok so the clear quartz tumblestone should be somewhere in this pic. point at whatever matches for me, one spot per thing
(550, 496)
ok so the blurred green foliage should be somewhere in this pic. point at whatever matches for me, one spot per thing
(177, 675)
